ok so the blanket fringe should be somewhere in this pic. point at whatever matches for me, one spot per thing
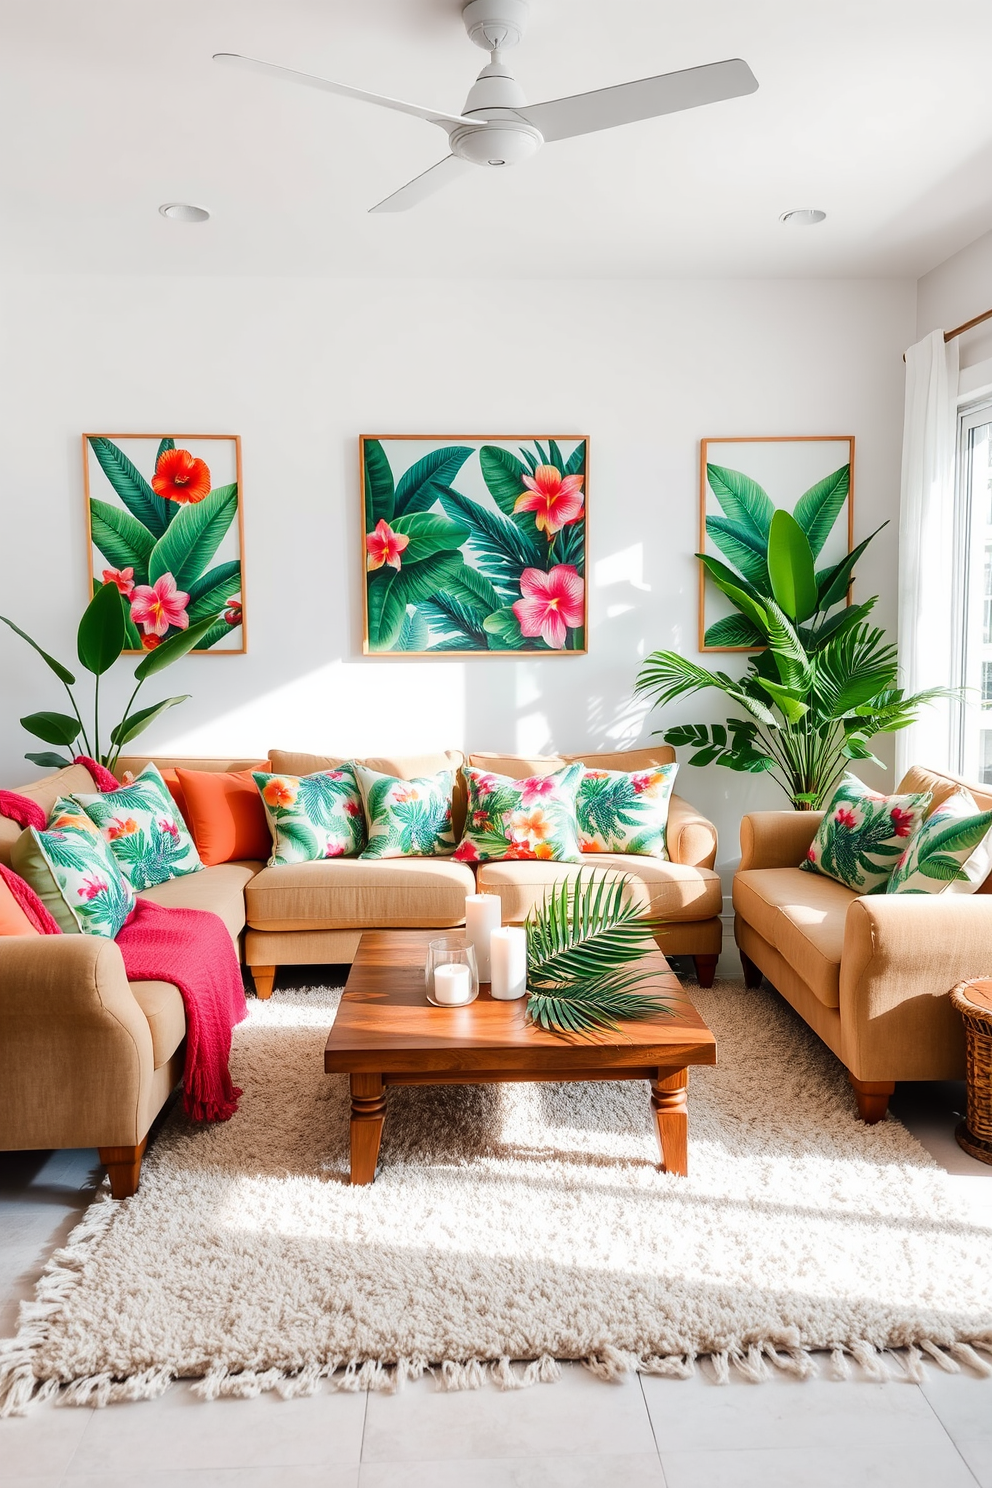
(754, 1361)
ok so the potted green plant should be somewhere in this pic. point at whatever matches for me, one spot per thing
(100, 640)
(824, 682)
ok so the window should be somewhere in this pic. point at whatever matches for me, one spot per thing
(974, 568)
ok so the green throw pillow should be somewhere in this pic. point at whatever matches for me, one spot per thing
(76, 877)
(621, 812)
(950, 854)
(313, 816)
(862, 834)
(408, 818)
(533, 818)
(142, 824)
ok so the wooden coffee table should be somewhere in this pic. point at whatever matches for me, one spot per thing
(387, 1033)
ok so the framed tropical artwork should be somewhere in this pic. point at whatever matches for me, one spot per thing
(741, 482)
(164, 524)
(474, 545)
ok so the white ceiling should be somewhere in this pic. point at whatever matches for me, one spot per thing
(878, 111)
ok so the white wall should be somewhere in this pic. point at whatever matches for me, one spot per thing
(300, 367)
(955, 291)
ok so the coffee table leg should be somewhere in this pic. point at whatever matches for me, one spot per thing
(368, 1112)
(671, 1114)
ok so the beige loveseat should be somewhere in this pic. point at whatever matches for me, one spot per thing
(869, 973)
(88, 1059)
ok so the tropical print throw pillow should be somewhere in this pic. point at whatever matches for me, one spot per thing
(76, 877)
(862, 834)
(143, 827)
(950, 854)
(313, 816)
(533, 818)
(625, 812)
(408, 818)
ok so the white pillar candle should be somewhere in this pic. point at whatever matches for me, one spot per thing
(452, 983)
(482, 917)
(508, 950)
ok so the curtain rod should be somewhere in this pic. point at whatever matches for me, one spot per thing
(960, 330)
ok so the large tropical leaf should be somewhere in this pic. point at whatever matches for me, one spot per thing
(739, 544)
(576, 462)
(62, 672)
(130, 728)
(194, 537)
(173, 648)
(48, 760)
(101, 634)
(54, 728)
(503, 550)
(818, 509)
(414, 633)
(503, 474)
(475, 590)
(429, 533)
(503, 631)
(790, 567)
(454, 625)
(733, 631)
(569, 545)
(741, 499)
(152, 510)
(217, 632)
(211, 591)
(391, 590)
(122, 539)
(419, 487)
(379, 492)
(833, 583)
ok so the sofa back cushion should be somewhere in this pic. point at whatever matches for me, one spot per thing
(521, 766)
(46, 792)
(402, 766)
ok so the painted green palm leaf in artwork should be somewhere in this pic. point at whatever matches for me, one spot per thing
(380, 493)
(419, 486)
(818, 508)
(391, 590)
(121, 538)
(154, 512)
(502, 550)
(415, 632)
(212, 590)
(185, 550)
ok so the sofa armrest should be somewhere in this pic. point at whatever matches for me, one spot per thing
(777, 839)
(902, 955)
(76, 1061)
(691, 839)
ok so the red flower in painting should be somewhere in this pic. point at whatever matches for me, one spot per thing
(551, 603)
(149, 642)
(555, 500)
(232, 612)
(384, 545)
(181, 477)
(122, 577)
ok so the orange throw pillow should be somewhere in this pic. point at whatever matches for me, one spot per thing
(13, 920)
(225, 814)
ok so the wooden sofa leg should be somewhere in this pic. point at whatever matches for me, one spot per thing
(872, 1097)
(752, 973)
(264, 978)
(705, 969)
(123, 1165)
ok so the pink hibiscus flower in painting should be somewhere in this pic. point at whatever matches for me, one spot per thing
(536, 788)
(122, 577)
(551, 603)
(385, 546)
(902, 821)
(555, 500)
(159, 605)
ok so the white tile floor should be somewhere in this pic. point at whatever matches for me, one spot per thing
(579, 1433)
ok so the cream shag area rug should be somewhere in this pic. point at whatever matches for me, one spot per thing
(509, 1227)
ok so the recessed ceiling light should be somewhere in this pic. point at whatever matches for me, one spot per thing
(803, 216)
(183, 212)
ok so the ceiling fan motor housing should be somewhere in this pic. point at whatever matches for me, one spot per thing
(495, 23)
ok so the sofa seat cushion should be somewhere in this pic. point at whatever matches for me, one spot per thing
(360, 894)
(163, 1006)
(802, 915)
(220, 889)
(671, 890)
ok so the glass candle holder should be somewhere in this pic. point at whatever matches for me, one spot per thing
(451, 975)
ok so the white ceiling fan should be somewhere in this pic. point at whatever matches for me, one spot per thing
(498, 127)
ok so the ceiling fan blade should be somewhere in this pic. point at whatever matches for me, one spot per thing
(646, 99)
(424, 185)
(271, 69)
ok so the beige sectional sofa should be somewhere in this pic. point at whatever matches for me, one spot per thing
(869, 973)
(88, 1059)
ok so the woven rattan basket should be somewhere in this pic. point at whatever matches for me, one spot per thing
(973, 1001)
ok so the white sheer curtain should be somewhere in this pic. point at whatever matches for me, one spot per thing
(926, 541)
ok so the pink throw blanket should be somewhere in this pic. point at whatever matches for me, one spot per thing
(192, 949)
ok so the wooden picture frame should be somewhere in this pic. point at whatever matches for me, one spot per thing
(126, 519)
(486, 579)
(785, 466)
